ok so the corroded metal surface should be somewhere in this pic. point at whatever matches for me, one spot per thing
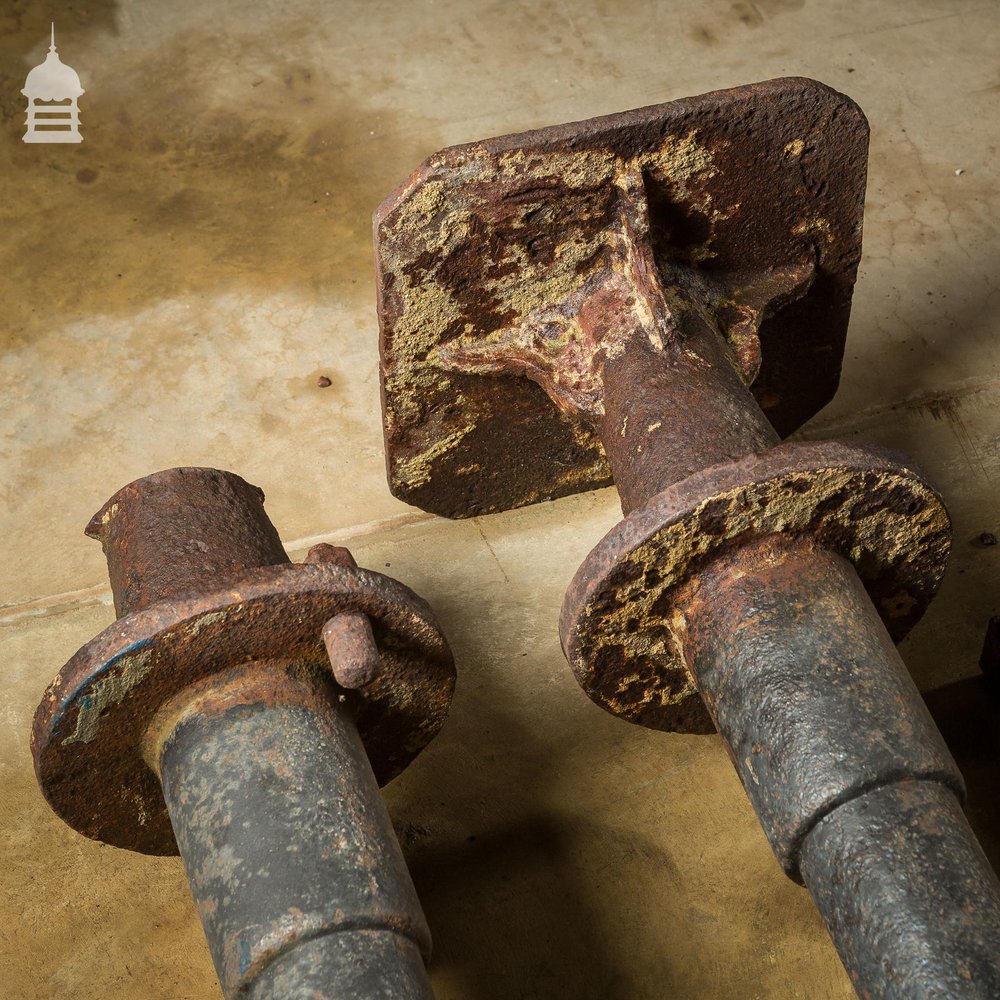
(853, 784)
(89, 728)
(907, 895)
(374, 964)
(618, 620)
(175, 533)
(804, 684)
(676, 284)
(350, 644)
(535, 257)
(674, 409)
(208, 720)
(281, 827)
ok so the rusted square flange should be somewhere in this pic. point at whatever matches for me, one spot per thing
(749, 201)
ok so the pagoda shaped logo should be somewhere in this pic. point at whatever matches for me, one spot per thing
(52, 89)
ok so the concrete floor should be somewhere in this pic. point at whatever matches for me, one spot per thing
(172, 289)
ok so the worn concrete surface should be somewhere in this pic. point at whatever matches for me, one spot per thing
(172, 289)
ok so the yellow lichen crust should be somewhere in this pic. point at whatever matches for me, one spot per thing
(598, 243)
(814, 226)
(622, 639)
(552, 338)
(127, 673)
(543, 256)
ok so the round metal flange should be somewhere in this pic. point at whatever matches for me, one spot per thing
(89, 731)
(616, 621)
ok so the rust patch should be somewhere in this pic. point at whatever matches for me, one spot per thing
(204, 587)
(618, 622)
(510, 271)
(348, 638)
(275, 612)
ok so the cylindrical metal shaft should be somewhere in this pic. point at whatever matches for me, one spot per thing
(805, 685)
(670, 412)
(907, 894)
(182, 531)
(298, 877)
(850, 778)
(828, 733)
(290, 853)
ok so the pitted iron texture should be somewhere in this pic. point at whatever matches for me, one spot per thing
(90, 728)
(618, 623)
(805, 685)
(663, 295)
(534, 258)
(209, 721)
(373, 964)
(908, 896)
(284, 836)
(182, 531)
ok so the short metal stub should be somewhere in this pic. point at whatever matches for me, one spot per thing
(616, 621)
(89, 730)
(534, 257)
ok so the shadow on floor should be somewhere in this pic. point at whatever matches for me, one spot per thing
(968, 714)
(539, 936)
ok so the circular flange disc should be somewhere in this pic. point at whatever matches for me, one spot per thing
(89, 730)
(862, 502)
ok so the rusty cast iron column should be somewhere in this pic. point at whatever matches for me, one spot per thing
(207, 721)
(853, 785)
(655, 299)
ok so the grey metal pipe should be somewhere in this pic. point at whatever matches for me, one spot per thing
(907, 894)
(376, 964)
(295, 869)
(846, 770)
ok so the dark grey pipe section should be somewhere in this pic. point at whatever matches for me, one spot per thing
(852, 782)
(298, 877)
(907, 895)
(379, 965)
